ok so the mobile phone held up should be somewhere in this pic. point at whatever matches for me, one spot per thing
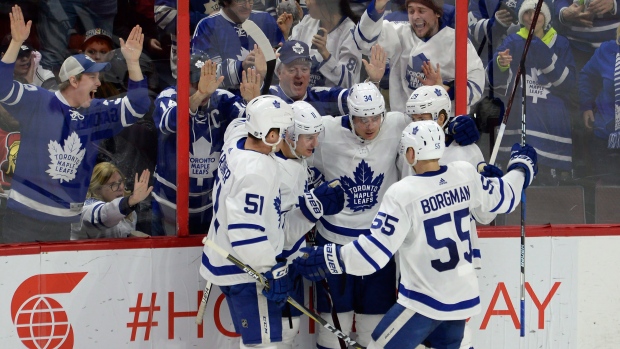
(511, 10)
(320, 32)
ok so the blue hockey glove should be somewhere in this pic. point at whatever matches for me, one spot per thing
(279, 284)
(524, 158)
(326, 199)
(318, 261)
(463, 129)
(490, 171)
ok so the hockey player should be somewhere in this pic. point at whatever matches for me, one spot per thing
(301, 207)
(211, 110)
(423, 218)
(361, 151)
(420, 53)
(433, 103)
(223, 39)
(247, 223)
(59, 136)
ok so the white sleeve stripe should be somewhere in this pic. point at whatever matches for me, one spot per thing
(19, 95)
(380, 246)
(166, 117)
(562, 78)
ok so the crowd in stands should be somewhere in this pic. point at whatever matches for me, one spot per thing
(124, 123)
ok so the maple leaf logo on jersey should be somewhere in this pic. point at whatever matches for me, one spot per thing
(65, 159)
(243, 54)
(363, 190)
(277, 203)
(534, 88)
(414, 71)
(203, 161)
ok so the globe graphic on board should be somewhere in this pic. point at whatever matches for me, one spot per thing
(42, 323)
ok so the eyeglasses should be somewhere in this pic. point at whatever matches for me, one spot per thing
(115, 186)
(243, 2)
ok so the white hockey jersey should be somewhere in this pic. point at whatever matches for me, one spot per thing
(342, 68)
(426, 218)
(406, 53)
(246, 214)
(365, 170)
(293, 182)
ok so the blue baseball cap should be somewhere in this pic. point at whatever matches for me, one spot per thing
(78, 64)
(292, 50)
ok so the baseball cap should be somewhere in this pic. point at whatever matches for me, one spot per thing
(97, 32)
(78, 64)
(24, 50)
(292, 50)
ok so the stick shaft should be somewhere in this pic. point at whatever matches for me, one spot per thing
(203, 303)
(253, 273)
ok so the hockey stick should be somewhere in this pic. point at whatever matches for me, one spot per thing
(526, 48)
(522, 285)
(253, 273)
(203, 303)
(261, 40)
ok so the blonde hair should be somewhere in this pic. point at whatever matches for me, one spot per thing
(101, 175)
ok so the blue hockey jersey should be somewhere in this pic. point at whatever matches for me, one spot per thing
(228, 44)
(59, 144)
(206, 139)
(327, 101)
(550, 75)
(596, 88)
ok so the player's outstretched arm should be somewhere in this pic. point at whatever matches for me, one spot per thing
(131, 50)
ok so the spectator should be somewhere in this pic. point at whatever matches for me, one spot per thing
(550, 75)
(211, 110)
(27, 67)
(57, 20)
(293, 69)
(600, 106)
(336, 61)
(222, 38)
(108, 211)
(166, 19)
(399, 13)
(421, 53)
(586, 24)
(98, 45)
(64, 127)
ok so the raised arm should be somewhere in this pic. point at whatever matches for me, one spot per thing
(20, 30)
(131, 50)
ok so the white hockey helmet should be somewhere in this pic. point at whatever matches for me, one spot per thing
(426, 138)
(266, 112)
(364, 100)
(429, 99)
(306, 120)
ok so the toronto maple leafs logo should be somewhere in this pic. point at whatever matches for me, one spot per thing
(276, 104)
(297, 48)
(202, 163)
(66, 159)
(363, 190)
(414, 73)
(438, 92)
(199, 64)
(415, 130)
(75, 115)
(277, 204)
(535, 89)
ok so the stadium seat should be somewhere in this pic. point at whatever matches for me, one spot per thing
(606, 209)
(550, 205)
